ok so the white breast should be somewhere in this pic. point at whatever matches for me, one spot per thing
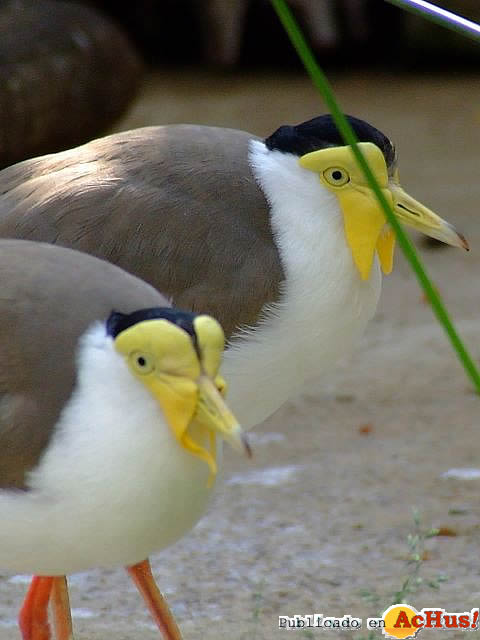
(114, 485)
(324, 307)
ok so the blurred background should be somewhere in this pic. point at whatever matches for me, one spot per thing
(246, 34)
(320, 520)
(69, 70)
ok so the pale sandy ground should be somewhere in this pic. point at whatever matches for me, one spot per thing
(323, 511)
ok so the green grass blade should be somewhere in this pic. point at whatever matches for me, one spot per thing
(320, 80)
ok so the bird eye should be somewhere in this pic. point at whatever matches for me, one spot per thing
(336, 176)
(142, 363)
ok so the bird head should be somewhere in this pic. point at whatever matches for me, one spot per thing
(320, 149)
(176, 355)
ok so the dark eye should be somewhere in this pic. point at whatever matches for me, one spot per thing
(336, 176)
(142, 363)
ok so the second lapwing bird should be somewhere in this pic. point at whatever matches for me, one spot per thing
(281, 239)
(111, 425)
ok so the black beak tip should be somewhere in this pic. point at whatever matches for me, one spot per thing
(465, 244)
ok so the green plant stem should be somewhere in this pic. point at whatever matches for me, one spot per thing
(321, 82)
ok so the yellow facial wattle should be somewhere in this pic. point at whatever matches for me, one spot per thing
(366, 230)
(181, 372)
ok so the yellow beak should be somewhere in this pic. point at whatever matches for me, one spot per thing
(213, 413)
(197, 413)
(417, 216)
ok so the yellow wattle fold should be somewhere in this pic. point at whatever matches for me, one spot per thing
(363, 227)
(386, 249)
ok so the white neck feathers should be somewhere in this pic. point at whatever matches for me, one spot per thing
(325, 305)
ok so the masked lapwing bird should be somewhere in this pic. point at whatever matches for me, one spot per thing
(280, 239)
(111, 425)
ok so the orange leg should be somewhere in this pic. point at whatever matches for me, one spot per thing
(141, 574)
(61, 609)
(33, 618)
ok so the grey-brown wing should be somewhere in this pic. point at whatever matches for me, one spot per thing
(48, 298)
(176, 206)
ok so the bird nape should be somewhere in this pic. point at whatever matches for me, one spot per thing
(113, 417)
